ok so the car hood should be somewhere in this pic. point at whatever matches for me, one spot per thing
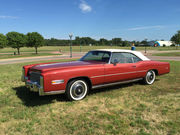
(62, 65)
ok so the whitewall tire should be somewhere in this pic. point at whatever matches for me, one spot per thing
(150, 77)
(77, 90)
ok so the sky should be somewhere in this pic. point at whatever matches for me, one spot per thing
(127, 19)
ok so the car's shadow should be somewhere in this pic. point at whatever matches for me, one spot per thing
(31, 99)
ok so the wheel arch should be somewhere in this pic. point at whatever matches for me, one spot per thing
(156, 71)
(87, 79)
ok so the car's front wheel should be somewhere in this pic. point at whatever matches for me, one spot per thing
(150, 77)
(77, 89)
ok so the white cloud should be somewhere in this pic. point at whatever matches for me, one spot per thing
(7, 17)
(147, 27)
(85, 7)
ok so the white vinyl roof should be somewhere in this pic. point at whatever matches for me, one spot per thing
(139, 54)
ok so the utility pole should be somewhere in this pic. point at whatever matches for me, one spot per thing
(70, 36)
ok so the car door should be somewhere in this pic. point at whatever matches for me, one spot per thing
(126, 67)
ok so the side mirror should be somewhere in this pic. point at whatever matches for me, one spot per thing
(115, 62)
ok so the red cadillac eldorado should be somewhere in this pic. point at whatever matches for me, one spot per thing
(98, 68)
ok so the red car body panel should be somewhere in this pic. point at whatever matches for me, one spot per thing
(97, 72)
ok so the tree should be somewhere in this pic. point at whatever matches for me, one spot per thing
(35, 40)
(3, 41)
(16, 40)
(125, 43)
(103, 41)
(77, 41)
(117, 41)
(176, 38)
(144, 42)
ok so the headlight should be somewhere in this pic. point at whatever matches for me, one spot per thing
(41, 82)
(41, 89)
(23, 75)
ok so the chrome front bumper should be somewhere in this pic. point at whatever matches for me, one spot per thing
(35, 87)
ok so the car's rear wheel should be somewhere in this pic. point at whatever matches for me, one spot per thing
(150, 77)
(77, 89)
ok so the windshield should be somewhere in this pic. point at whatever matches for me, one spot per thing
(100, 56)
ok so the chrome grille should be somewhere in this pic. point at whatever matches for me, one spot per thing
(35, 77)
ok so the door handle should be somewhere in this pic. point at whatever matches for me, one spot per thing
(134, 66)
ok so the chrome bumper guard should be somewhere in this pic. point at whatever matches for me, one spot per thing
(34, 86)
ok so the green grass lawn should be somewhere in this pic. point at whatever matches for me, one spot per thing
(130, 109)
(167, 54)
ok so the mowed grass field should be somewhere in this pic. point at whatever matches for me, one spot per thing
(54, 50)
(130, 109)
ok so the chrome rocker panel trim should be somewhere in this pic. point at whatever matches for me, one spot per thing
(116, 83)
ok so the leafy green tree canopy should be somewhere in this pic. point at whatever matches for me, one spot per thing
(103, 41)
(125, 43)
(117, 41)
(35, 40)
(16, 40)
(176, 38)
(3, 41)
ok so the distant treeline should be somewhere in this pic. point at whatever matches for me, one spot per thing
(90, 41)
(34, 39)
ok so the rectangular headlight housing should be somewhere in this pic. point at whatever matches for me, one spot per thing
(41, 82)
(23, 75)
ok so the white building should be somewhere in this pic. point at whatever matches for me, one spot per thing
(163, 43)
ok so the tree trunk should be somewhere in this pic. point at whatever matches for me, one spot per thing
(18, 51)
(36, 50)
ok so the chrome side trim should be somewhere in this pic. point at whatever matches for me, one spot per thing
(116, 83)
(52, 92)
(118, 74)
(53, 82)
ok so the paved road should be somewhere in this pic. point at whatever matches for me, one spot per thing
(164, 58)
(40, 58)
(66, 56)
